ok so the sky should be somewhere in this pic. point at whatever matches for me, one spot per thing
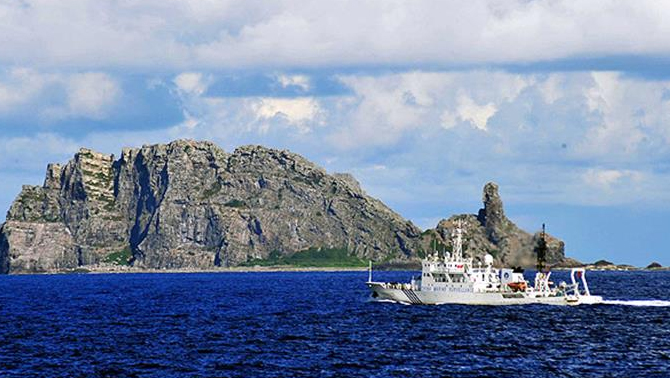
(565, 104)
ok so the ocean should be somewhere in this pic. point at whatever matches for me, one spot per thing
(319, 324)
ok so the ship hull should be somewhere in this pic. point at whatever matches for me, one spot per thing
(410, 296)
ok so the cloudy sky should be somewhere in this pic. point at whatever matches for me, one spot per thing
(565, 104)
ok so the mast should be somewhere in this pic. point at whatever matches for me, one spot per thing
(541, 251)
(458, 241)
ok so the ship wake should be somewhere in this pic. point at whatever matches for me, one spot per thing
(638, 303)
(379, 300)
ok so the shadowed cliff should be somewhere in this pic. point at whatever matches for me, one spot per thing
(189, 204)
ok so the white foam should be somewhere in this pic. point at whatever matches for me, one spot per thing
(386, 301)
(639, 303)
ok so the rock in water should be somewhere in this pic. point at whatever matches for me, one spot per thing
(490, 231)
(603, 263)
(190, 204)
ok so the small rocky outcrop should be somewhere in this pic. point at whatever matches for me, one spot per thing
(608, 265)
(654, 265)
(490, 231)
(603, 263)
(190, 204)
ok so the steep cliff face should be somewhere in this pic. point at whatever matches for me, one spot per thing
(190, 204)
(490, 231)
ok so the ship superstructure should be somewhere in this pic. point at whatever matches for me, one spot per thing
(453, 278)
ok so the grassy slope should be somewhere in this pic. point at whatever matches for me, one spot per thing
(313, 257)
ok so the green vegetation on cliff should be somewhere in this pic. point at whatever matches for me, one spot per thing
(312, 257)
(119, 258)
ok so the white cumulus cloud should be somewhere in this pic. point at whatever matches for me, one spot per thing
(191, 83)
(91, 94)
(19, 86)
(478, 115)
(299, 81)
(607, 178)
(295, 110)
(57, 96)
(90, 34)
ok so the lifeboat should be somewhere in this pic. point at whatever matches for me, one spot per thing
(518, 286)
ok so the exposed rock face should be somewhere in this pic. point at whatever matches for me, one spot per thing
(490, 231)
(570, 263)
(190, 204)
(492, 216)
(35, 247)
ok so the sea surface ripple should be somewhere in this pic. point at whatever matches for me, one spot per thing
(317, 324)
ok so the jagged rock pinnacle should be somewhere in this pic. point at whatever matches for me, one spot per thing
(490, 231)
(492, 216)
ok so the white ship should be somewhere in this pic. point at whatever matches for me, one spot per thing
(453, 279)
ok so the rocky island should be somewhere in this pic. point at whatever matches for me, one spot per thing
(191, 205)
(490, 231)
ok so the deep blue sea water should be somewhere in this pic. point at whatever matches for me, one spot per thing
(318, 325)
